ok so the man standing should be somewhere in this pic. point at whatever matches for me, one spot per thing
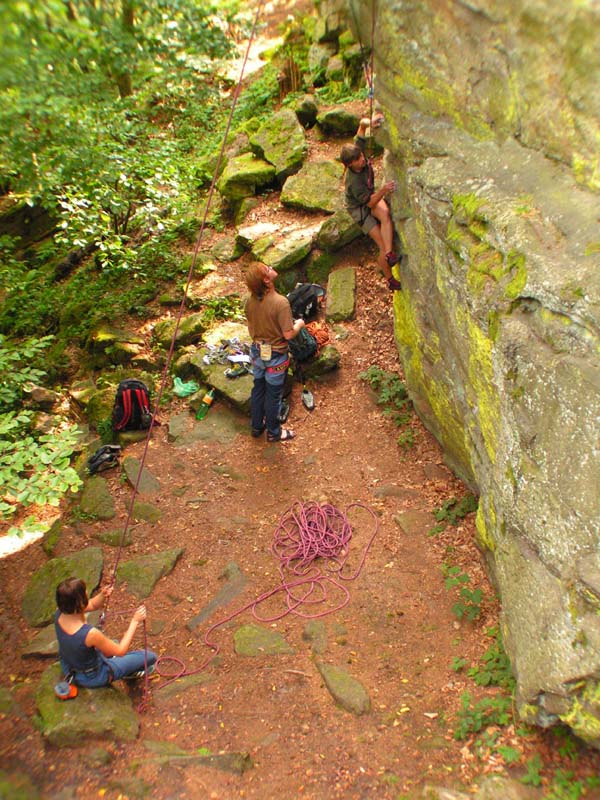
(271, 326)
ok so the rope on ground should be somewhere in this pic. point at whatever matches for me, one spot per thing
(307, 532)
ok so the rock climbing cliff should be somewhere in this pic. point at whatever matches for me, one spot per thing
(492, 128)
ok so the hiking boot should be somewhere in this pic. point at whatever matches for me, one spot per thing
(391, 258)
(394, 285)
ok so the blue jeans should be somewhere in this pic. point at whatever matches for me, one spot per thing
(112, 669)
(265, 400)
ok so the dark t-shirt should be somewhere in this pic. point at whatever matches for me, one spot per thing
(72, 648)
(359, 185)
(268, 318)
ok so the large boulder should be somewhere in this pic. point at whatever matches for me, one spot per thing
(141, 574)
(39, 598)
(317, 187)
(105, 713)
(497, 324)
(281, 142)
(244, 175)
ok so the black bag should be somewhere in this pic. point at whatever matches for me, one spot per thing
(303, 346)
(304, 300)
(131, 411)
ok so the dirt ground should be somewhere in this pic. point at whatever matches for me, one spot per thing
(397, 635)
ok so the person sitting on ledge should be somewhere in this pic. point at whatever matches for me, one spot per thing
(86, 655)
(366, 206)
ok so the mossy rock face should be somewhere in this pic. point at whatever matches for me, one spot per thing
(315, 188)
(287, 252)
(338, 122)
(39, 599)
(341, 295)
(306, 110)
(105, 713)
(146, 482)
(190, 330)
(143, 573)
(96, 500)
(244, 175)
(337, 231)
(327, 361)
(281, 142)
(114, 345)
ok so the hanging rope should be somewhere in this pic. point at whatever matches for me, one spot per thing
(169, 358)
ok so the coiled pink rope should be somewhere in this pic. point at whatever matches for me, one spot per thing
(306, 533)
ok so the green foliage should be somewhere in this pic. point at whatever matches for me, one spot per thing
(454, 510)
(437, 529)
(475, 716)
(394, 396)
(565, 787)
(258, 98)
(533, 775)
(34, 468)
(340, 92)
(468, 606)
(18, 368)
(221, 308)
(495, 668)
(458, 664)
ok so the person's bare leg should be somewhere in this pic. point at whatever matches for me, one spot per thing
(381, 212)
(375, 234)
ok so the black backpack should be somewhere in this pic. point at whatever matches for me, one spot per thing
(304, 300)
(303, 346)
(131, 411)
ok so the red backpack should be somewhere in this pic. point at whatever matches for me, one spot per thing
(131, 411)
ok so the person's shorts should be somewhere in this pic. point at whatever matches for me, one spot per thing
(364, 218)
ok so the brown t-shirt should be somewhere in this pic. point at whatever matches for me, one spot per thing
(268, 319)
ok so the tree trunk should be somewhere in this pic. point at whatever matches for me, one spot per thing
(124, 81)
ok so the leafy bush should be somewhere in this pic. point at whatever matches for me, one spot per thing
(34, 468)
(392, 392)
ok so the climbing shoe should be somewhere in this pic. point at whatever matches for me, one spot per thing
(105, 457)
(394, 285)
(237, 371)
(139, 673)
(284, 411)
(391, 258)
(308, 401)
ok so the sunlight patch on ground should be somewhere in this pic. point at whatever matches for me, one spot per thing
(255, 62)
(11, 543)
(30, 530)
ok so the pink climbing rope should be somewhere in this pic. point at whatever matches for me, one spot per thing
(308, 532)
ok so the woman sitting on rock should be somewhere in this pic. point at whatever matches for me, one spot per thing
(85, 653)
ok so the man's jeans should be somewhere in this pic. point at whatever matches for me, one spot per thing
(265, 400)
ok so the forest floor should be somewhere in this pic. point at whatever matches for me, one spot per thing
(398, 635)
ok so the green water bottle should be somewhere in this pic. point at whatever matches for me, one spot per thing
(206, 403)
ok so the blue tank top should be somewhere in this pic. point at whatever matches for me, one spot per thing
(73, 650)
